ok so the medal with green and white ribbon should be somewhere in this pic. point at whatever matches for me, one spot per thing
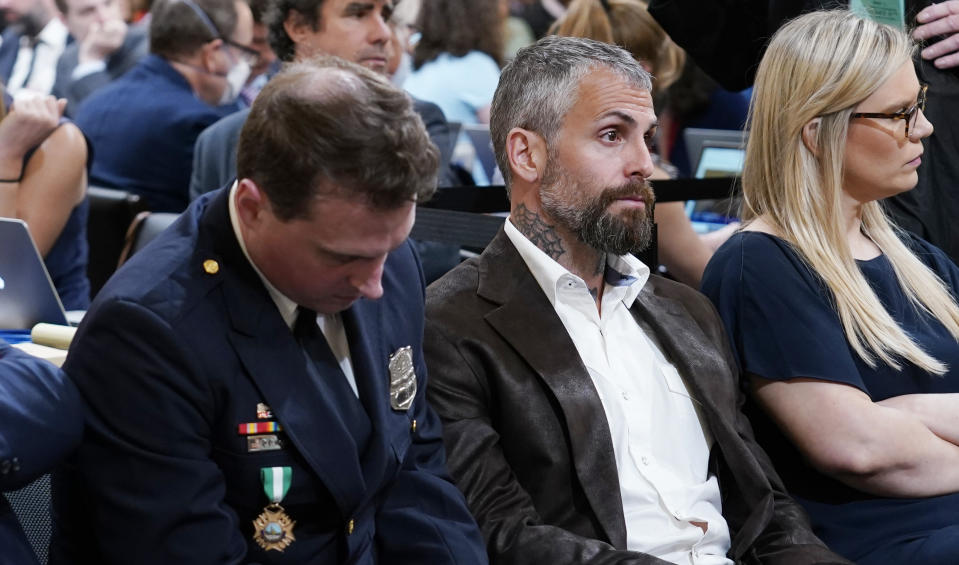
(273, 529)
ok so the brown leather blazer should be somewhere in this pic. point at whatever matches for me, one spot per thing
(526, 435)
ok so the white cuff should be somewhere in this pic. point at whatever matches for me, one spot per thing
(84, 69)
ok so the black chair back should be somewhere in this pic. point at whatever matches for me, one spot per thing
(111, 212)
(143, 229)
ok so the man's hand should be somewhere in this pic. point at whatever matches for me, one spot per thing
(940, 19)
(102, 40)
(29, 122)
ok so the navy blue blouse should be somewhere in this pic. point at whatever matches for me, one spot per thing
(782, 325)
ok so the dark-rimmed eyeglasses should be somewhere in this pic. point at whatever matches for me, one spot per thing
(248, 54)
(909, 115)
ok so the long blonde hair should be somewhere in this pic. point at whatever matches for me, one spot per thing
(821, 65)
(628, 24)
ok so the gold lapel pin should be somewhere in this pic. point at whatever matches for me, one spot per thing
(211, 267)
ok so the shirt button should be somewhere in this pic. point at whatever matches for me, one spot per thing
(645, 460)
(625, 395)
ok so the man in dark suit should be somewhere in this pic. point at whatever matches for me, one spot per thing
(300, 29)
(229, 423)
(590, 409)
(104, 48)
(41, 421)
(33, 40)
(143, 125)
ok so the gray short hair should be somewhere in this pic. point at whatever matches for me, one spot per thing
(539, 86)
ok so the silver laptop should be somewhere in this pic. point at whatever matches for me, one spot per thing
(715, 152)
(27, 295)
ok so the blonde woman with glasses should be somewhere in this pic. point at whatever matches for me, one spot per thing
(845, 327)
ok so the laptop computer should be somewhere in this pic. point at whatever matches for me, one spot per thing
(27, 295)
(701, 144)
(714, 153)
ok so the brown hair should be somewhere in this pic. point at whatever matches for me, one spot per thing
(626, 23)
(331, 127)
(308, 12)
(458, 27)
(177, 30)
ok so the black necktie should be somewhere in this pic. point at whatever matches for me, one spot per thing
(330, 378)
(34, 43)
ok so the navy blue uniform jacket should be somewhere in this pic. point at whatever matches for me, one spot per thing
(172, 358)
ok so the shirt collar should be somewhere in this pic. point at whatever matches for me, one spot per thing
(624, 273)
(628, 273)
(54, 33)
(283, 303)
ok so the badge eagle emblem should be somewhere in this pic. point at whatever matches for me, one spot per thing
(402, 379)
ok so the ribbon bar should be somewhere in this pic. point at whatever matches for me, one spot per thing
(259, 428)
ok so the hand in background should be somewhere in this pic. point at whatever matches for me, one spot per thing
(28, 123)
(937, 20)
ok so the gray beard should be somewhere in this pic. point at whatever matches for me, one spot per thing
(593, 224)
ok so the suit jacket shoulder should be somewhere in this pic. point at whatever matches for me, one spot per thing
(214, 157)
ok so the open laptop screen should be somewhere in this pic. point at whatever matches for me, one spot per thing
(720, 162)
(718, 153)
(27, 295)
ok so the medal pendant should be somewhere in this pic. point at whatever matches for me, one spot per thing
(273, 529)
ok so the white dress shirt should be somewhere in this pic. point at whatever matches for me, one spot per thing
(35, 68)
(660, 441)
(330, 324)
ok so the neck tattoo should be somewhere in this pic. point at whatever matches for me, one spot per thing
(542, 235)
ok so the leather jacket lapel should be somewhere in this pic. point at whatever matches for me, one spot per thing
(527, 321)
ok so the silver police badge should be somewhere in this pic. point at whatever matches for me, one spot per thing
(402, 379)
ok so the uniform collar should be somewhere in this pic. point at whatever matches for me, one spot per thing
(284, 304)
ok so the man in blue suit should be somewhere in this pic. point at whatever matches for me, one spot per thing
(144, 124)
(41, 420)
(254, 376)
